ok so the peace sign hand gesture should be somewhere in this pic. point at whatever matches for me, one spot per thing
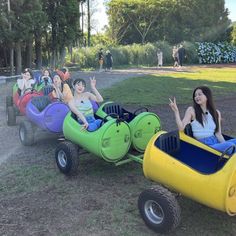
(173, 105)
(93, 82)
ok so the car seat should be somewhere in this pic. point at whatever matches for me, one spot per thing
(169, 142)
(41, 102)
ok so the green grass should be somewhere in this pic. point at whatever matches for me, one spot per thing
(19, 179)
(156, 89)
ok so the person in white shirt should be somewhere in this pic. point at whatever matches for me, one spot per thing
(26, 82)
(205, 120)
(159, 58)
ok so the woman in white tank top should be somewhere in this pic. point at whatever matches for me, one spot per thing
(205, 120)
(81, 104)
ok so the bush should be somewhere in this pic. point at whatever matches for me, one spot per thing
(137, 54)
(191, 52)
(211, 53)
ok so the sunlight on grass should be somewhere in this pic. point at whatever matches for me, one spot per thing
(156, 89)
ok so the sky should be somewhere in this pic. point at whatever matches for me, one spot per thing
(231, 5)
(102, 20)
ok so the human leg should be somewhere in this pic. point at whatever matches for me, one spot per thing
(100, 64)
(93, 123)
(225, 145)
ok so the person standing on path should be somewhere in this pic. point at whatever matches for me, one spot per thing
(109, 61)
(175, 56)
(159, 58)
(100, 59)
(181, 55)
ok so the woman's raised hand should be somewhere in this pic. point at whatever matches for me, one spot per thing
(173, 105)
(93, 82)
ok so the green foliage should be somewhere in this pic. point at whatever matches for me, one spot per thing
(64, 19)
(233, 34)
(25, 16)
(191, 52)
(174, 21)
(210, 53)
(135, 54)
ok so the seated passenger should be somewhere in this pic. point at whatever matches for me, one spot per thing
(46, 78)
(61, 90)
(65, 75)
(26, 82)
(205, 120)
(82, 106)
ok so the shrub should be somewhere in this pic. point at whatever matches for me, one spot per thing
(137, 54)
(211, 53)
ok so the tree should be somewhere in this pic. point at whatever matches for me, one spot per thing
(125, 16)
(233, 34)
(65, 27)
(172, 20)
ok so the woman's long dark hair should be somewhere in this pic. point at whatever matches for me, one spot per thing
(210, 106)
(62, 82)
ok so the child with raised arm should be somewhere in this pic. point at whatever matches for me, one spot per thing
(26, 82)
(81, 104)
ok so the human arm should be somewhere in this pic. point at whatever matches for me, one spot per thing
(66, 94)
(96, 96)
(187, 117)
(218, 134)
(73, 108)
(57, 92)
(21, 83)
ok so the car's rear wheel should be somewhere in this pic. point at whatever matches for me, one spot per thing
(159, 209)
(11, 116)
(9, 101)
(67, 158)
(26, 133)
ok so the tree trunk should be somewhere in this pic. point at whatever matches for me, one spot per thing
(70, 50)
(18, 58)
(62, 56)
(29, 52)
(38, 51)
(48, 49)
(53, 48)
(11, 60)
(89, 23)
(82, 23)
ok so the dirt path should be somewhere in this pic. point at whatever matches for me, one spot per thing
(107, 79)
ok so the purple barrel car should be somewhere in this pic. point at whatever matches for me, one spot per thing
(44, 113)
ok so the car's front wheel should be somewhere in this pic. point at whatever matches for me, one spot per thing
(159, 209)
(67, 158)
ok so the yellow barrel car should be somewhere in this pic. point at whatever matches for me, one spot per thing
(186, 166)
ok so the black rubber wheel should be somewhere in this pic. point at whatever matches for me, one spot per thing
(67, 158)
(9, 101)
(11, 116)
(159, 209)
(26, 133)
